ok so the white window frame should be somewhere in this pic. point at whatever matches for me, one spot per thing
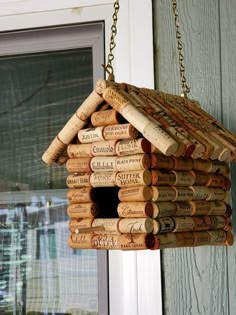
(134, 276)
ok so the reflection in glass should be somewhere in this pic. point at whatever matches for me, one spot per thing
(39, 274)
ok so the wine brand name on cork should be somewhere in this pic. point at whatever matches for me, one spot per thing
(103, 179)
(163, 193)
(78, 180)
(136, 225)
(104, 148)
(82, 210)
(121, 131)
(133, 146)
(78, 195)
(78, 165)
(133, 178)
(140, 193)
(132, 162)
(135, 209)
(103, 163)
(89, 135)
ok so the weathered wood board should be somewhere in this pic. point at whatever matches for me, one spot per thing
(200, 280)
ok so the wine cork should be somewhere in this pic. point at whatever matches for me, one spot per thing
(183, 178)
(229, 240)
(78, 180)
(200, 192)
(135, 146)
(76, 224)
(216, 194)
(133, 162)
(163, 178)
(159, 138)
(228, 225)
(217, 236)
(61, 160)
(216, 180)
(133, 178)
(228, 211)
(89, 135)
(167, 240)
(200, 207)
(159, 161)
(216, 222)
(80, 241)
(166, 225)
(75, 123)
(227, 198)
(183, 164)
(202, 165)
(153, 109)
(219, 168)
(183, 224)
(164, 209)
(105, 118)
(103, 179)
(151, 131)
(163, 193)
(78, 165)
(201, 223)
(140, 193)
(184, 209)
(183, 194)
(135, 209)
(227, 184)
(156, 227)
(104, 148)
(102, 84)
(119, 132)
(201, 238)
(83, 210)
(54, 150)
(79, 150)
(110, 225)
(105, 241)
(201, 178)
(79, 195)
(184, 239)
(103, 163)
(136, 225)
(124, 241)
(155, 150)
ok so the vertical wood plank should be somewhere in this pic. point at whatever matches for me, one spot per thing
(228, 46)
(195, 280)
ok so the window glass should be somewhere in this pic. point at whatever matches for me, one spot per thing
(39, 273)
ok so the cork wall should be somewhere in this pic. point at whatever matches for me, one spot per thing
(200, 280)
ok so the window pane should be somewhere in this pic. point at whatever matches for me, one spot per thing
(38, 272)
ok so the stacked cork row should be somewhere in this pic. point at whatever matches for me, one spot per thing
(124, 194)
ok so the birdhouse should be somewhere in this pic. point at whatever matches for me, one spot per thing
(146, 170)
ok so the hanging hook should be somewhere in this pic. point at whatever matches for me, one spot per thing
(108, 67)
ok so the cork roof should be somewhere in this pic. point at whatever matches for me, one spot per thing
(174, 125)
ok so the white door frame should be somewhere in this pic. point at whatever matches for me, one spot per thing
(134, 276)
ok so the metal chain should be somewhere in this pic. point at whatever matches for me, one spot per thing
(185, 88)
(108, 67)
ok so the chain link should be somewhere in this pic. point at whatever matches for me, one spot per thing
(108, 67)
(185, 88)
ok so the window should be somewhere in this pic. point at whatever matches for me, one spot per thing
(42, 85)
(129, 290)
